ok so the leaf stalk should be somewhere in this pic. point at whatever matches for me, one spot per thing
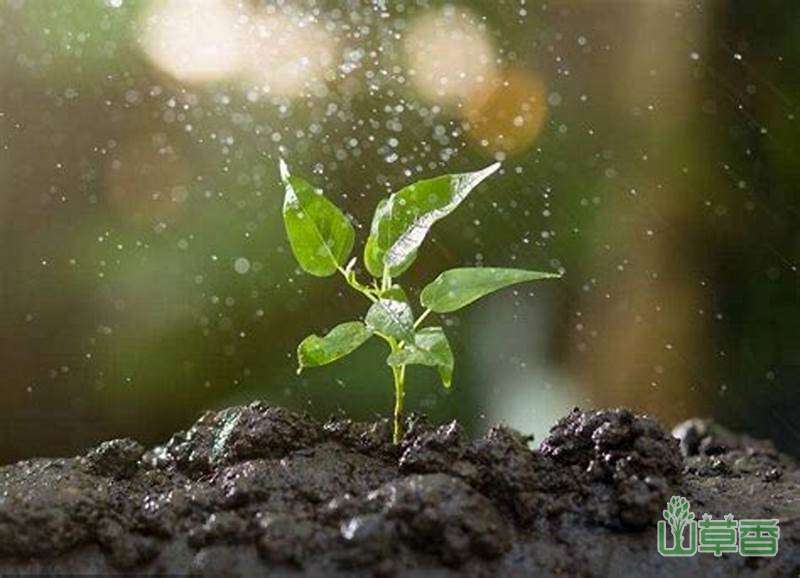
(422, 318)
(350, 277)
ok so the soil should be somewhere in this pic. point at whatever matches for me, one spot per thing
(258, 490)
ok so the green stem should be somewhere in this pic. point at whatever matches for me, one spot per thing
(422, 318)
(353, 282)
(386, 281)
(399, 374)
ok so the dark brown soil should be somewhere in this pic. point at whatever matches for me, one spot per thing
(258, 490)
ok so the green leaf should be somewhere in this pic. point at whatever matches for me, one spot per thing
(340, 341)
(431, 348)
(395, 292)
(320, 235)
(456, 288)
(402, 221)
(391, 318)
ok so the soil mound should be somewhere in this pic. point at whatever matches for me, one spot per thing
(259, 490)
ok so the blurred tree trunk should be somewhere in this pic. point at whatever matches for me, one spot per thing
(648, 312)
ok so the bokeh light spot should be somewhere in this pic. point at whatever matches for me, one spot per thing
(195, 40)
(450, 55)
(509, 113)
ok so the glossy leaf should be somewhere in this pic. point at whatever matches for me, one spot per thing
(402, 221)
(320, 235)
(456, 288)
(391, 318)
(395, 292)
(340, 341)
(431, 348)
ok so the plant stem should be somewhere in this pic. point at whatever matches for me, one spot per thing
(353, 282)
(422, 318)
(399, 374)
(386, 281)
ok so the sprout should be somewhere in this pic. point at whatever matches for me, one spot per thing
(322, 238)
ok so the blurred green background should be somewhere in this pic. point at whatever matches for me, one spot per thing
(649, 148)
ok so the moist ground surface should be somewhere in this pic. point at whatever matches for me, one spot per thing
(258, 490)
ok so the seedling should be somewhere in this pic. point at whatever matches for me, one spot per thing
(322, 238)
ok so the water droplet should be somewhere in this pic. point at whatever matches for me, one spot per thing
(241, 265)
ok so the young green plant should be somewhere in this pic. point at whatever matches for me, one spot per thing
(322, 238)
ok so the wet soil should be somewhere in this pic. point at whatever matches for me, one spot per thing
(258, 490)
